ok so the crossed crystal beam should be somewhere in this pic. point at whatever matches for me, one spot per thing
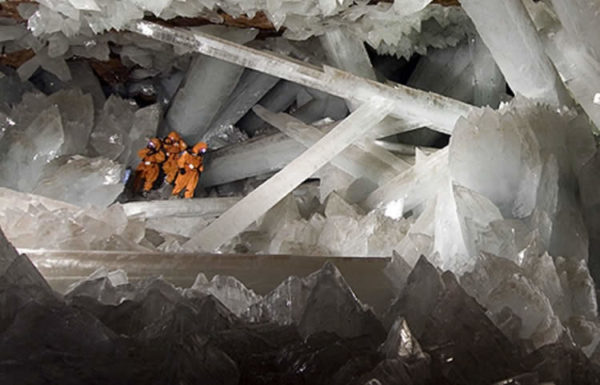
(376, 101)
(435, 111)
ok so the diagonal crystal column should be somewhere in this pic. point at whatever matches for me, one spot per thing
(438, 112)
(507, 30)
(353, 160)
(575, 51)
(415, 185)
(259, 201)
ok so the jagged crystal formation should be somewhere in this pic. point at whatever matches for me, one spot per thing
(493, 238)
(311, 329)
(65, 226)
(421, 25)
(45, 143)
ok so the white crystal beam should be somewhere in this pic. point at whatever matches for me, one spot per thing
(254, 157)
(367, 144)
(575, 52)
(207, 87)
(348, 53)
(404, 149)
(437, 111)
(259, 201)
(202, 207)
(353, 160)
(508, 31)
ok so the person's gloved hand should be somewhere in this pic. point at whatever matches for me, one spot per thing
(182, 171)
(191, 166)
(147, 163)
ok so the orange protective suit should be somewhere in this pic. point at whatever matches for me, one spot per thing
(173, 145)
(148, 169)
(190, 166)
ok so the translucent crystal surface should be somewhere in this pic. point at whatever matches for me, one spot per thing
(533, 76)
(82, 181)
(493, 237)
(112, 128)
(231, 292)
(466, 72)
(260, 200)
(251, 88)
(247, 159)
(25, 153)
(206, 88)
(353, 160)
(65, 226)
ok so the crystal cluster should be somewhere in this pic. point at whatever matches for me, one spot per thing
(336, 228)
(36, 222)
(399, 29)
(307, 330)
(460, 147)
(60, 146)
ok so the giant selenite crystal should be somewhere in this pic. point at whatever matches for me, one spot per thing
(407, 103)
(206, 88)
(523, 62)
(538, 170)
(568, 29)
(466, 72)
(24, 154)
(269, 193)
(509, 206)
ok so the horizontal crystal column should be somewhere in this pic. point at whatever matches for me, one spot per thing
(202, 207)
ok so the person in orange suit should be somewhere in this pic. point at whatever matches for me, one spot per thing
(149, 169)
(190, 166)
(173, 146)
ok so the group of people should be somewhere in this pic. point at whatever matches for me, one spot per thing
(179, 164)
